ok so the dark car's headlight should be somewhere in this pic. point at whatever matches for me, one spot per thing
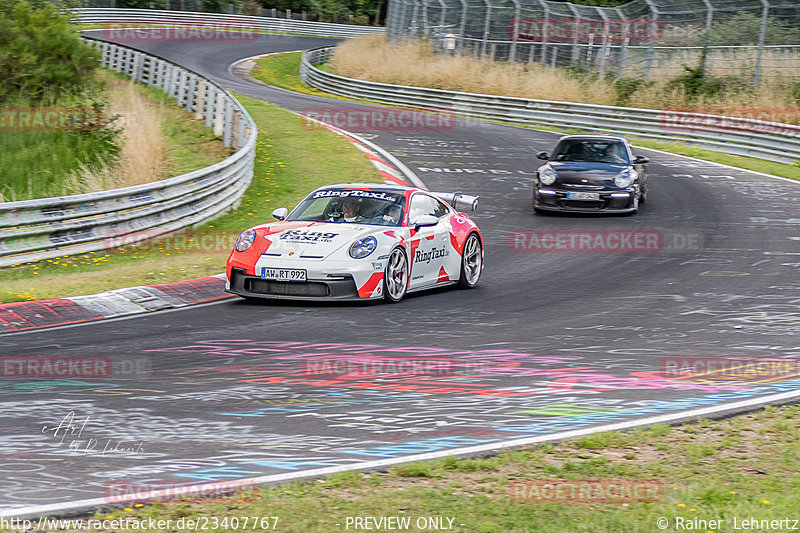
(547, 176)
(245, 240)
(363, 247)
(625, 178)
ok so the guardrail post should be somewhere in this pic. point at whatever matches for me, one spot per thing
(219, 113)
(200, 100)
(210, 102)
(191, 96)
(227, 124)
(112, 57)
(244, 131)
(138, 66)
(236, 127)
(180, 97)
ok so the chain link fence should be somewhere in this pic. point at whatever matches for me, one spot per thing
(643, 39)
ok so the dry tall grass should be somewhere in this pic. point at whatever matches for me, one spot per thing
(373, 58)
(143, 156)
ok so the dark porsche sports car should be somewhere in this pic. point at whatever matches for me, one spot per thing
(590, 174)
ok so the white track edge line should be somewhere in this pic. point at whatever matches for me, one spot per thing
(274, 478)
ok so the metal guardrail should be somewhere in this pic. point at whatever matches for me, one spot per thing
(126, 18)
(33, 230)
(738, 136)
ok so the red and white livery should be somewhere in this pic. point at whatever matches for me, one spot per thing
(359, 241)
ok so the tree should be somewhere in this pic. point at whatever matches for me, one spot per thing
(40, 52)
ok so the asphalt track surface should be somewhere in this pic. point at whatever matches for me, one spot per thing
(552, 340)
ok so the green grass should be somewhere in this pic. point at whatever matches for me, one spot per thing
(290, 162)
(281, 70)
(699, 480)
(36, 164)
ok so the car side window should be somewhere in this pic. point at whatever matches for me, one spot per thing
(422, 204)
(440, 208)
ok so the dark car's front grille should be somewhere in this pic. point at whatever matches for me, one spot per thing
(286, 288)
(583, 204)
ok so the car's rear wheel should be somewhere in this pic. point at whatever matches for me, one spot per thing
(471, 262)
(395, 277)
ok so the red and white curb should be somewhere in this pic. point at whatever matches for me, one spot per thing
(24, 316)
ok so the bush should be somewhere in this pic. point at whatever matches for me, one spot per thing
(625, 88)
(41, 55)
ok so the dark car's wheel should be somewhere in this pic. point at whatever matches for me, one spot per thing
(471, 262)
(643, 194)
(395, 277)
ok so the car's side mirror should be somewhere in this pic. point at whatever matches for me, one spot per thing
(425, 220)
(543, 155)
(641, 160)
(280, 213)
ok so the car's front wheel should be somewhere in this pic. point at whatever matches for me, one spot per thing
(395, 277)
(471, 262)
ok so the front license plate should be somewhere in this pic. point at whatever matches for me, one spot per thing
(583, 195)
(283, 274)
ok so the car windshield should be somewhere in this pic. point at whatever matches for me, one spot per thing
(380, 208)
(591, 151)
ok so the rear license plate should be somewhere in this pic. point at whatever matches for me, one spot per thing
(283, 274)
(583, 195)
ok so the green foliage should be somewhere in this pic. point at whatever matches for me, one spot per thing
(41, 55)
(142, 4)
(362, 10)
(37, 164)
(696, 82)
(625, 88)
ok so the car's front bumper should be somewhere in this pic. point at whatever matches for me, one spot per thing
(325, 280)
(605, 204)
(328, 289)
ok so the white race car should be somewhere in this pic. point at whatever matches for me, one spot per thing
(359, 241)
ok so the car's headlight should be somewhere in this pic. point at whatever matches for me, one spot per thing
(547, 176)
(245, 240)
(363, 247)
(625, 178)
